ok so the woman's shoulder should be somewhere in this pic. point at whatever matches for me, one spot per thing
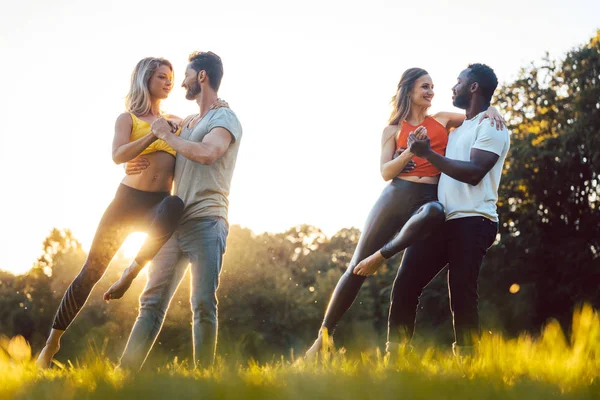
(390, 130)
(125, 118)
(388, 133)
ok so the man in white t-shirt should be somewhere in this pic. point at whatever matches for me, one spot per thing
(468, 189)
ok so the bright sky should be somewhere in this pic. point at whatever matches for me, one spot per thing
(310, 81)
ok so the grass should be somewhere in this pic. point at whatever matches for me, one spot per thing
(546, 367)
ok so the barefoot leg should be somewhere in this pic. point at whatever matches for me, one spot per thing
(118, 289)
(50, 349)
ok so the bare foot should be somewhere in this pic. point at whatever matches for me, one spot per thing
(46, 356)
(314, 350)
(318, 346)
(118, 289)
(369, 265)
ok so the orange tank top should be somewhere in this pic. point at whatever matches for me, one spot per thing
(439, 140)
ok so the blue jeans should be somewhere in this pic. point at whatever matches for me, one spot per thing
(200, 242)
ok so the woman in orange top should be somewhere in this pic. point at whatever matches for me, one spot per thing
(408, 209)
(142, 202)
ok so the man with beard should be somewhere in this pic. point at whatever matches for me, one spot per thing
(468, 189)
(206, 149)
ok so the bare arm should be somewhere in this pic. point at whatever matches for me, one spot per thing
(454, 120)
(391, 167)
(213, 145)
(122, 149)
(471, 172)
(450, 120)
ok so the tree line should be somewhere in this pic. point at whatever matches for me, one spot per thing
(275, 287)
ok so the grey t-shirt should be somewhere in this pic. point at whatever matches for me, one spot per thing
(204, 188)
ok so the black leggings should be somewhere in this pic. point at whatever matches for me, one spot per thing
(156, 213)
(402, 203)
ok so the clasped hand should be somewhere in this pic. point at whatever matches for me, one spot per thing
(162, 128)
(418, 142)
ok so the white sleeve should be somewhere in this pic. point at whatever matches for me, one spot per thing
(490, 139)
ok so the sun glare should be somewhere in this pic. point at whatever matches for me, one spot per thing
(132, 245)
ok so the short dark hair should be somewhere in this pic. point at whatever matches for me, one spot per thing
(209, 62)
(485, 76)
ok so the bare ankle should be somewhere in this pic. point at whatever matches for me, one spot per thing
(54, 338)
(52, 345)
(135, 268)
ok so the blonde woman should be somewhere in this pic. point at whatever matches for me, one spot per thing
(142, 201)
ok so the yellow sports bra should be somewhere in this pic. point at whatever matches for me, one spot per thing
(141, 128)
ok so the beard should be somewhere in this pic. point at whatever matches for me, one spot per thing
(461, 101)
(193, 91)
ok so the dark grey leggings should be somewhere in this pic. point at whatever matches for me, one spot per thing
(404, 213)
(156, 213)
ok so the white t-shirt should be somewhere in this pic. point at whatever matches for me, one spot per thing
(461, 199)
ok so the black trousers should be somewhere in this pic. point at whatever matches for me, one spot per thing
(461, 244)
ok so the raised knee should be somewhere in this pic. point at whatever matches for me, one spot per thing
(435, 211)
(174, 203)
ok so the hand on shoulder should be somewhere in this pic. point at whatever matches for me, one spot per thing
(174, 118)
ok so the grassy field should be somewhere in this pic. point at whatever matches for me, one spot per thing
(547, 367)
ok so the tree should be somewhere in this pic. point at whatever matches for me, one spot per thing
(550, 191)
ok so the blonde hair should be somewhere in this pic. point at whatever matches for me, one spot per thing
(402, 100)
(137, 100)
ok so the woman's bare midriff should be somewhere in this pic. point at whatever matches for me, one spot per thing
(431, 180)
(158, 177)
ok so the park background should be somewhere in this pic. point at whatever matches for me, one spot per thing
(311, 83)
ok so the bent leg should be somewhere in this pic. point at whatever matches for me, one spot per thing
(164, 219)
(420, 225)
(383, 222)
